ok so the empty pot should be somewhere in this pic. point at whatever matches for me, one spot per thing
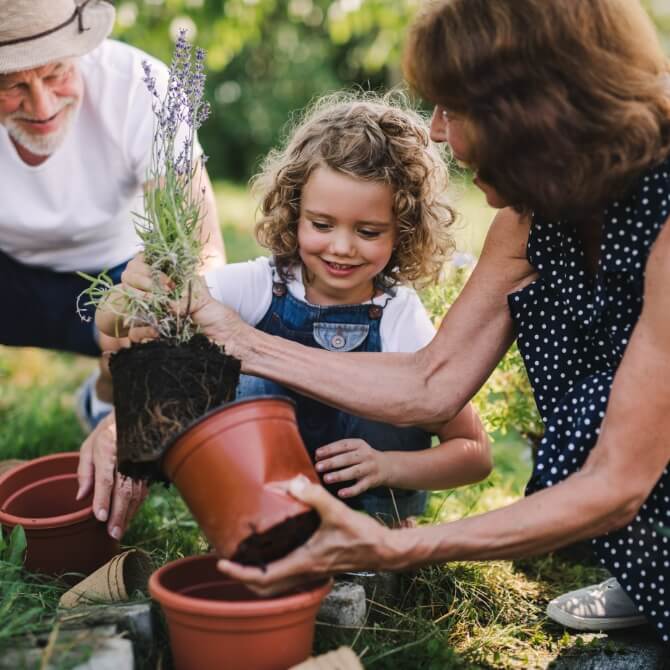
(215, 622)
(232, 467)
(61, 532)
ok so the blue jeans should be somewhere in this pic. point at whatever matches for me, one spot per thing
(339, 328)
(39, 308)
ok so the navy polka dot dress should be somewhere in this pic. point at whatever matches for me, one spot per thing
(572, 333)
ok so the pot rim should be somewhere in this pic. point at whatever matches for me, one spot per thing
(239, 609)
(221, 408)
(48, 522)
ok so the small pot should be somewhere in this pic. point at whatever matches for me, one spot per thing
(215, 622)
(232, 468)
(61, 532)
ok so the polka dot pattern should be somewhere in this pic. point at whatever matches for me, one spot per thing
(573, 330)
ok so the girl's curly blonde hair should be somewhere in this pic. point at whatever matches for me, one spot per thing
(373, 138)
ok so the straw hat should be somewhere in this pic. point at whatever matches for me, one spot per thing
(37, 32)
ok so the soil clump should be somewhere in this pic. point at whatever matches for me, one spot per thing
(160, 388)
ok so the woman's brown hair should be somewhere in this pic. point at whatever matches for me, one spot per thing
(568, 100)
(376, 139)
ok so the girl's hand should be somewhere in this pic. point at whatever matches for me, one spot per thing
(352, 459)
(346, 540)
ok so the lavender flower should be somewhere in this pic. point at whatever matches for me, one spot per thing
(170, 225)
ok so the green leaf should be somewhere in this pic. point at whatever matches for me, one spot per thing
(17, 546)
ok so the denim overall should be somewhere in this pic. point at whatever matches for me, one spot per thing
(338, 328)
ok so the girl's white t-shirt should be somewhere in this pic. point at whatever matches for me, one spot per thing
(75, 210)
(247, 288)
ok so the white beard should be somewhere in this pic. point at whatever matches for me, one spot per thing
(42, 145)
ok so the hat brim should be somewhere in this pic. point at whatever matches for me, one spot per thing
(68, 42)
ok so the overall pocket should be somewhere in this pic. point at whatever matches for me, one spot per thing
(340, 336)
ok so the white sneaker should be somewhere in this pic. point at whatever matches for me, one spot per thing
(604, 606)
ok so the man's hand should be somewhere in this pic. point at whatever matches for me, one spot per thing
(346, 540)
(352, 459)
(116, 498)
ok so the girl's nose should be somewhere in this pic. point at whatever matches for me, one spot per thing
(342, 244)
(439, 125)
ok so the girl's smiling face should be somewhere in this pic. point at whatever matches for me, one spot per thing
(346, 235)
(452, 129)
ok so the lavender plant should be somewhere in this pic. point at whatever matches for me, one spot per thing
(170, 226)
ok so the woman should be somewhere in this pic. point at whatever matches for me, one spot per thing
(560, 106)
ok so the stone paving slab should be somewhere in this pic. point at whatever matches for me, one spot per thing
(344, 605)
(635, 649)
(99, 648)
(134, 620)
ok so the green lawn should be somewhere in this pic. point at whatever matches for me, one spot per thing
(477, 615)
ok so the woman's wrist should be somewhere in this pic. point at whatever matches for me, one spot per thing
(223, 326)
(405, 548)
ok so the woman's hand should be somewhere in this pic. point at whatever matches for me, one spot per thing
(352, 459)
(346, 540)
(116, 498)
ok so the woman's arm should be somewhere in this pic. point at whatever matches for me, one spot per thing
(429, 387)
(630, 456)
(462, 457)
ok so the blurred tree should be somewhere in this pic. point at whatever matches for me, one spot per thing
(268, 58)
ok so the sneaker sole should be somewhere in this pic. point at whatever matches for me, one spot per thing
(593, 624)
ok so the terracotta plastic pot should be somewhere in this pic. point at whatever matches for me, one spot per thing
(215, 622)
(231, 467)
(62, 533)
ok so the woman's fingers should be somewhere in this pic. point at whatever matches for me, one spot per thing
(328, 507)
(259, 581)
(346, 540)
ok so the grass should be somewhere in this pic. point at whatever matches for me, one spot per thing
(462, 615)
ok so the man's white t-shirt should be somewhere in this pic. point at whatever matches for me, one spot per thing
(75, 210)
(247, 288)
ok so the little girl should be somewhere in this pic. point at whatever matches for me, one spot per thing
(352, 210)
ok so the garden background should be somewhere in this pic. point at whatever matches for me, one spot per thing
(266, 59)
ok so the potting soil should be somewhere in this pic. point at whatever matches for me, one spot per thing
(160, 388)
(259, 549)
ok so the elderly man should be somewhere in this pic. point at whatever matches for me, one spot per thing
(76, 126)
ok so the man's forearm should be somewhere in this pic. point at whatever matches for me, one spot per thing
(213, 253)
